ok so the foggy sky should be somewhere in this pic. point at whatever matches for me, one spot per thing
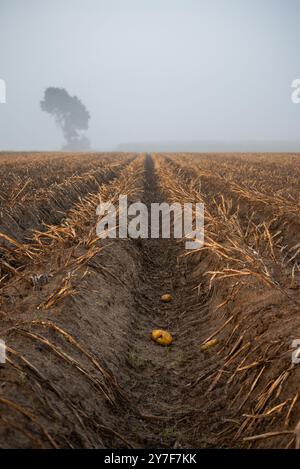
(151, 70)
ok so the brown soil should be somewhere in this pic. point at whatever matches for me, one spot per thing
(82, 372)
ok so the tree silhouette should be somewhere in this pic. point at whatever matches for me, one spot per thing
(70, 115)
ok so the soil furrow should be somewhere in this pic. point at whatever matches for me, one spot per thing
(77, 314)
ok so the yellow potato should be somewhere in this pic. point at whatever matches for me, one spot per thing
(161, 337)
(166, 298)
(209, 344)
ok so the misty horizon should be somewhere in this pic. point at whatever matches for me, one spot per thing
(166, 74)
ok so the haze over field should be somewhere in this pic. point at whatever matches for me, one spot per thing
(171, 73)
(149, 226)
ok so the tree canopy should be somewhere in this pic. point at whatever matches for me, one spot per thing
(70, 114)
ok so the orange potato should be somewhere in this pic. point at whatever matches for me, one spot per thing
(161, 337)
(166, 298)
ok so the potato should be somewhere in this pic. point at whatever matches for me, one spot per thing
(166, 298)
(209, 344)
(161, 337)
